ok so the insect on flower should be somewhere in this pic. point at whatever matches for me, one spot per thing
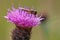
(23, 17)
(25, 20)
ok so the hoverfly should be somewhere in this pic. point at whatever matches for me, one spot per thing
(42, 14)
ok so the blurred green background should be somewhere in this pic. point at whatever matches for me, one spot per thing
(49, 30)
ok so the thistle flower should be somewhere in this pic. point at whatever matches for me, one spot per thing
(24, 19)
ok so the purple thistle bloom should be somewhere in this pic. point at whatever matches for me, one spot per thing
(23, 18)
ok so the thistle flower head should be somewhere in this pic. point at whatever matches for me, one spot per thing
(23, 17)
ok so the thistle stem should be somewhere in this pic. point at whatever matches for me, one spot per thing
(21, 33)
